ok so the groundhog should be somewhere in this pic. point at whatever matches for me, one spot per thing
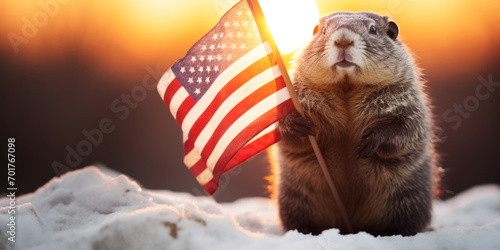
(364, 102)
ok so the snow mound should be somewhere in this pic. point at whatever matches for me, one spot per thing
(86, 209)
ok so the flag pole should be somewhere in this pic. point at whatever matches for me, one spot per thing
(266, 33)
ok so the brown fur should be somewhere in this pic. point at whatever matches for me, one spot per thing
(373, 127)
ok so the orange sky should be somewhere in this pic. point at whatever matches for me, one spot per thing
(124, 36)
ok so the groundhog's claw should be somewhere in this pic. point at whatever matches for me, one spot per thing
(370, 141)
(299, 125)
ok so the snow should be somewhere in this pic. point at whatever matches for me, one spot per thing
(94, 209)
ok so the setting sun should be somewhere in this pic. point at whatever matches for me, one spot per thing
(291, 22)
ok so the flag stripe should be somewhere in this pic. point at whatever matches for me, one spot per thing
(226, 120)
(257, 145)
(254, 146)
(211, 186)
(198, 167)
(205, 176)
(222, 114)
(236, 143)
(164, 82)
(177, 100)
(173, 87)
(236, 128)
(191, 158)
(187, 104)
(222, 103)
(269, 129)
(232, 71)
(227, 105)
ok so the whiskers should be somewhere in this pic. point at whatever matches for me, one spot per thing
(314, 54)
(376, 58)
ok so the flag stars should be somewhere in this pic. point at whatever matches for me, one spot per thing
(216, 51)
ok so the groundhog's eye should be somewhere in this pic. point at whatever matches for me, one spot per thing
(324, 30)
(373, 30)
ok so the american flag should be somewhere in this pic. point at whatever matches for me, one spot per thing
(226, 94)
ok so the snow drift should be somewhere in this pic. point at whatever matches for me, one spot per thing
(87, 209)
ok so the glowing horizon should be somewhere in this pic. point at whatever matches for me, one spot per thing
(111, 33)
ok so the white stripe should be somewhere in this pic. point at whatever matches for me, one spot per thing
(234, 99)
(165, 80)
(204, 177)
(264, 132)
(177, 100)
(228, 74)
(191, 158)
(241, 123)
(178, 97)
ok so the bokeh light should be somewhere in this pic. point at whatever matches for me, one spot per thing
(291, 22)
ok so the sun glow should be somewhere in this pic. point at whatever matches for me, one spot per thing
(291, 22)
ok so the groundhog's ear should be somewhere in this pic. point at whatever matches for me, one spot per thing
(392, 30)
(316, 29)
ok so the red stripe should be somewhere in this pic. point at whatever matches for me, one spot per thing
(170, 91)
(211, 186)
(184, 109)
(235, 83)
(199, 167)
(249, 132)
(188, 146)
(252, 149)
(238, 110)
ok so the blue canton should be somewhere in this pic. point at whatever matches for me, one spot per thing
(235, 35)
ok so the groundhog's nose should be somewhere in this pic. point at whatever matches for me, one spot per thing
(344, 43)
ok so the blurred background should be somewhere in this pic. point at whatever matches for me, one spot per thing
(69, 68)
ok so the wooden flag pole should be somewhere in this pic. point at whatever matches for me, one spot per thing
(266, 33)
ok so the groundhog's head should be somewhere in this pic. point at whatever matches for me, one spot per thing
(360, 48)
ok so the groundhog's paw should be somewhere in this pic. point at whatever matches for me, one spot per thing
(295, 124)
(370, 142)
